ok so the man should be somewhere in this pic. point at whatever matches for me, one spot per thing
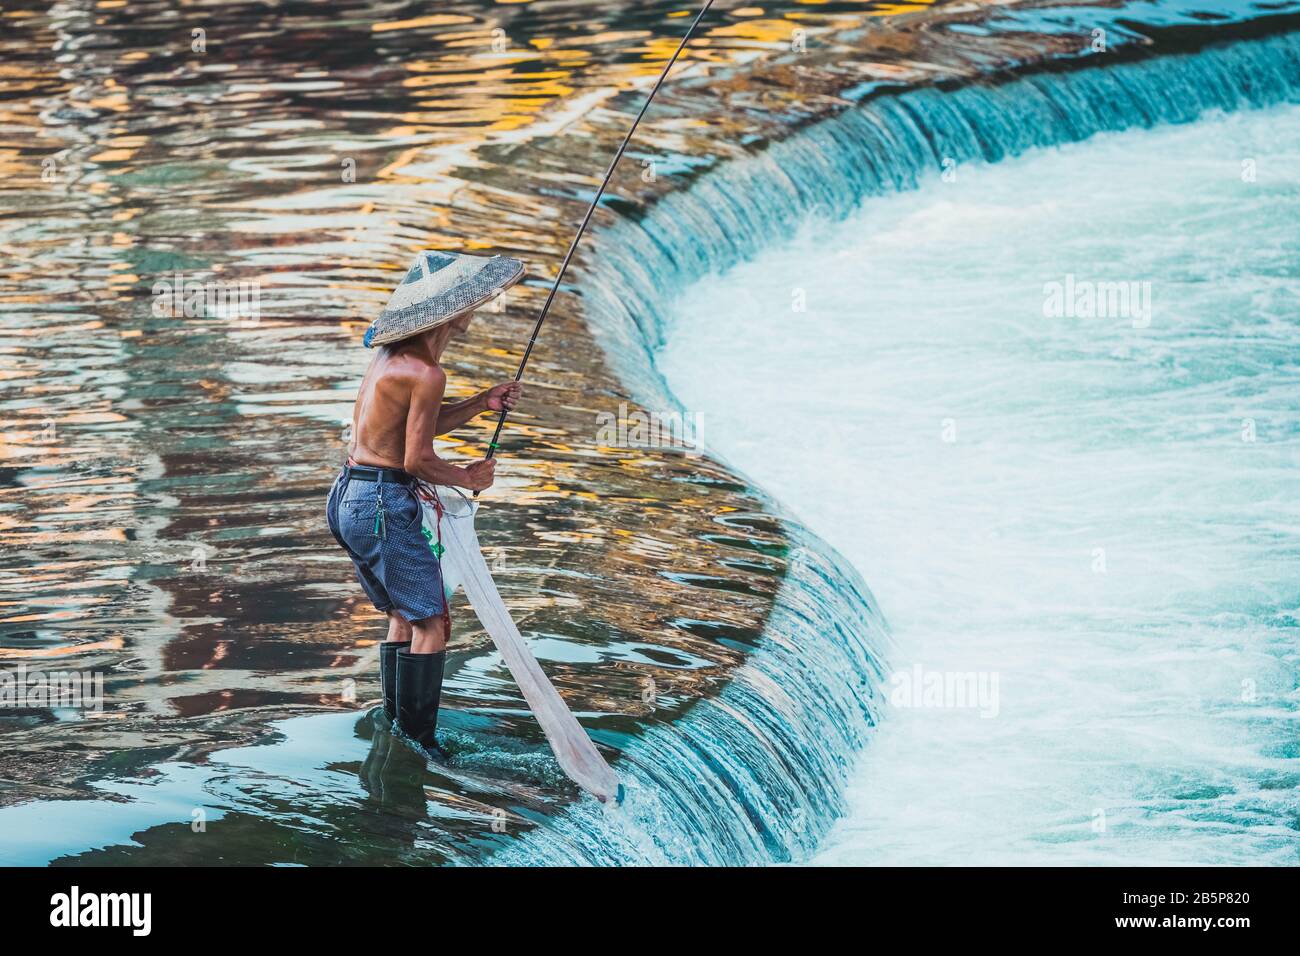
(374, 511)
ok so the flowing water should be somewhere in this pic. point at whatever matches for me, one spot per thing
(161, 476)
(1088, 509)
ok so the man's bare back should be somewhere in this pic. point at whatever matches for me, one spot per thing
(383, 400)
(400, 410)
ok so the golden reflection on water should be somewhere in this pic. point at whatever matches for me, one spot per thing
(162, 479)
(310, 154)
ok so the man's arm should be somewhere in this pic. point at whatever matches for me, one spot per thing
(454, 414)
(421, 426)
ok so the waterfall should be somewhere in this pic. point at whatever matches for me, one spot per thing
(887, 144)
(755, 774)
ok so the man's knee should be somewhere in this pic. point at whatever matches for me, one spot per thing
(430, 625)
(399, 629)
(429, 635)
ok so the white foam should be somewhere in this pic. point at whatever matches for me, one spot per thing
(1146, 713)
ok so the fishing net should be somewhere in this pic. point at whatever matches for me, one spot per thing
(449, 526)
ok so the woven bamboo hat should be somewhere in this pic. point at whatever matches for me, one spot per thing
(439, 287)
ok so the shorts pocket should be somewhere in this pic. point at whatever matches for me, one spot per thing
(360, 508)
(357, 518)
(401, 512)
(405, 512)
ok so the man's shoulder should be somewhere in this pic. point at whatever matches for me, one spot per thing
(432, 373)
(416, 369)
(422, 373)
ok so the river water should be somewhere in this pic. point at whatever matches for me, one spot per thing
(162, 476)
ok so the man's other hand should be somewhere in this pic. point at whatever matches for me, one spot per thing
(479, 475)
(504, 396)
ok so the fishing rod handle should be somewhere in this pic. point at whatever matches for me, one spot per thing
(492, 445)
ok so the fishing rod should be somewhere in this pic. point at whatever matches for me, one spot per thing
(609, 173)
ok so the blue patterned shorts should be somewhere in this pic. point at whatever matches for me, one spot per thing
(378, 523)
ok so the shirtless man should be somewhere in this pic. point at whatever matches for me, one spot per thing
(375, 515)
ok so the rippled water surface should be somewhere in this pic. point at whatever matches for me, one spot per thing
(162, 476)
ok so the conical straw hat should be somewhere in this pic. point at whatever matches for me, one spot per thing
(439, 287)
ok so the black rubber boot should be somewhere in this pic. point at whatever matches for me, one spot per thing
(419, 688)
(388, 674)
